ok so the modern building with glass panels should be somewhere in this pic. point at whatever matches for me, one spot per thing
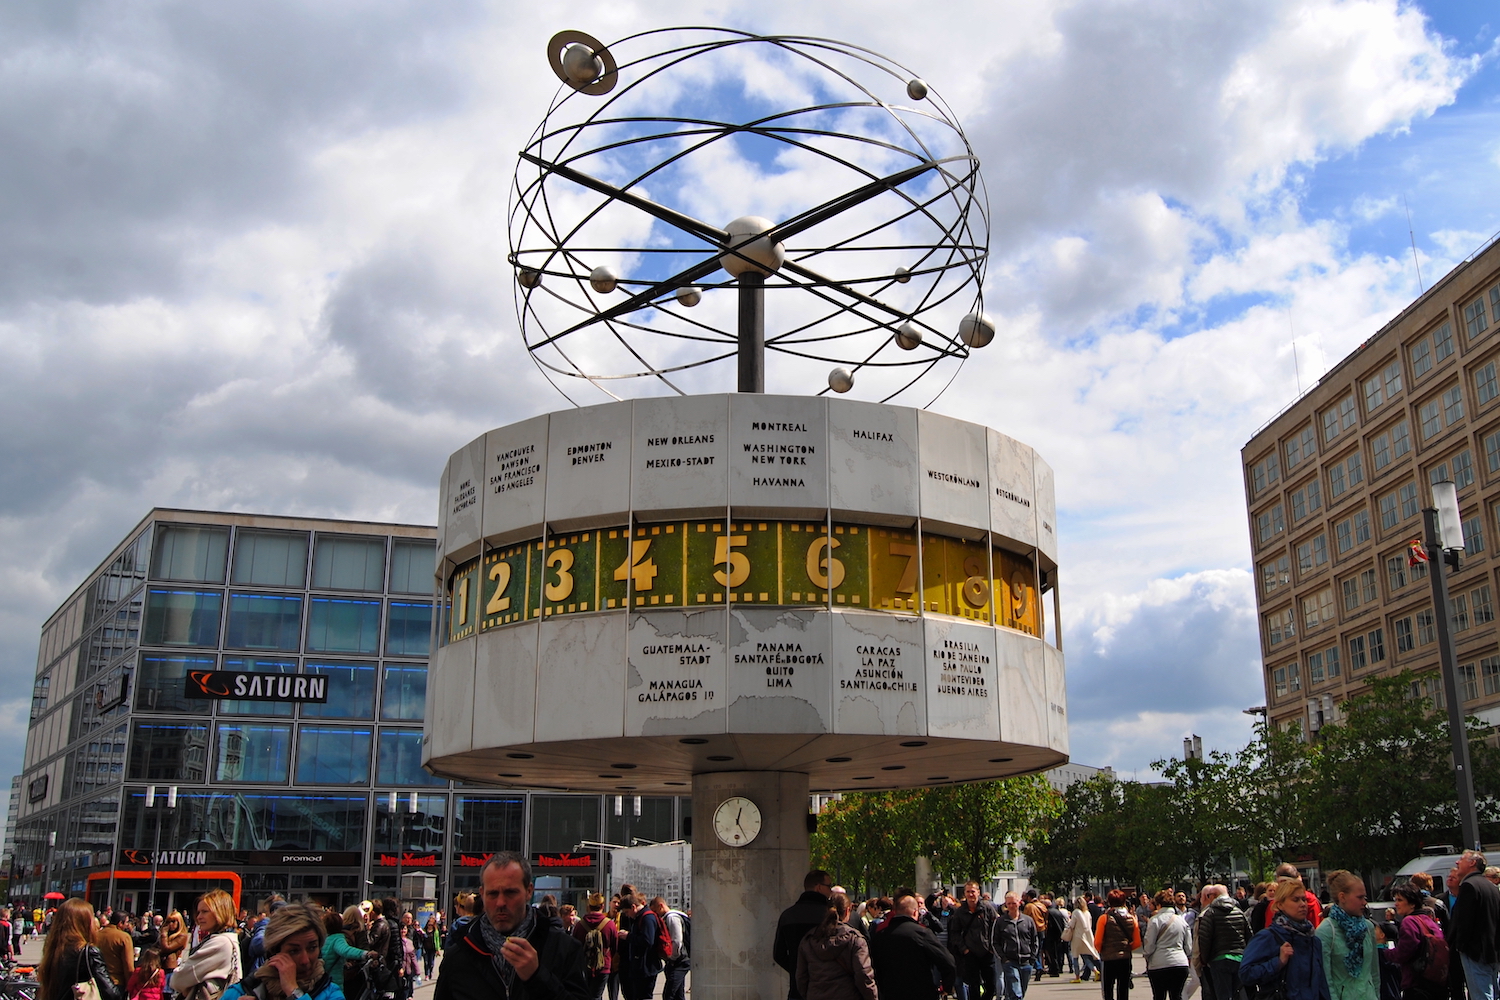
(1335, 485)
(325, 801)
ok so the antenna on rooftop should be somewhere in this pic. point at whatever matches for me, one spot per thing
(1413, 236)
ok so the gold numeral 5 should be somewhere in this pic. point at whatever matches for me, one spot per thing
(739, 565)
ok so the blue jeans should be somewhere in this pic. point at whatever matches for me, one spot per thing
(1016, 977)
(1483, 980)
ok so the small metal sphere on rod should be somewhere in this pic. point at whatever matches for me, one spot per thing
(976, 329)
(839, 380)
(603, 280)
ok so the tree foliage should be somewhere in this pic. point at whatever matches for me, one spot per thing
(871, 840)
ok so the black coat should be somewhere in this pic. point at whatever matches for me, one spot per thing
(792, 926)
(468, 973)
(971, 930)
(73, 967)
(1476, 919)
(905, 954)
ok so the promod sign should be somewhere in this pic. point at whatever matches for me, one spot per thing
(246, 686)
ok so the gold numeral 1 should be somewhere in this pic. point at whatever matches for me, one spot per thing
(462, 600)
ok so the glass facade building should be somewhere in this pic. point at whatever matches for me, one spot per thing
(324, 801)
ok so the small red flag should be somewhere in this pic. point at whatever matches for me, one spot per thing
(1415, 553)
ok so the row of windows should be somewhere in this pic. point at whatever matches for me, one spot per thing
(352, 694)
(179, 617)
(1382, 387)
(1362, 588)
(262, 753)
(1470, 609)
(1352, 531)
(264, 558)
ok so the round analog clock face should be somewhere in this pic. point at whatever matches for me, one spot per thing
(737, 821)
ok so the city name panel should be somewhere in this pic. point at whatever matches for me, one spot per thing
(644, 590)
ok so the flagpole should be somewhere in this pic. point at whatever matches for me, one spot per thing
(1463, 774)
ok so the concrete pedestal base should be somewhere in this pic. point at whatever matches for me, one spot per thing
(738, 892)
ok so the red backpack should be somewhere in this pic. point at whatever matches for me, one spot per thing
(663, 946)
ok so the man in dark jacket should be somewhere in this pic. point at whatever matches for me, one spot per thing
(1473, 926)
(799, 918)
(642, 957)
(1220, 934)
(1052, 944)
(507, 953)
(1014, 940)
(969, 941)
(909, 960)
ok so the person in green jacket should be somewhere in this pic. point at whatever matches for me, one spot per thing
(1351, 957)
(337, 949)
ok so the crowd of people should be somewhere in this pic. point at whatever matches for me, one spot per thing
(499, 946)
(1276, 941)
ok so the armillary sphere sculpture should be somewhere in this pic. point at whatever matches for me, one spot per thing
(677, 164)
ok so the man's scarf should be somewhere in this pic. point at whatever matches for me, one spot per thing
(494, 940)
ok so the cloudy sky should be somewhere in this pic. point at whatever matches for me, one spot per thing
(252, 258)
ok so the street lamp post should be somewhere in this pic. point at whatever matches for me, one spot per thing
(1444, 541)
(156, 851)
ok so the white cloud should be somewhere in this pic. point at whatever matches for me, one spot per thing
(254, 258)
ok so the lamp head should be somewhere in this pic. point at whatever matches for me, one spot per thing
(1450, 524)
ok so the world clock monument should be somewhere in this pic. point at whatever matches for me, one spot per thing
(754, 596)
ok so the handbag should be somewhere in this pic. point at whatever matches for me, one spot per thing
(84, 989)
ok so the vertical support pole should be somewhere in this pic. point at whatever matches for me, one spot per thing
(1463, 773)
(752, 351)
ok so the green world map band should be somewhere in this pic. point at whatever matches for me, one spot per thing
(701, 563)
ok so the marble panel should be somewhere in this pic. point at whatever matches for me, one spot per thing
(675, 684)
(778, 453)
(1012, 489)
(463, 499)
(954, 465)
(872, 459)
(1023, 689)
(580, 678)
(1046, 510)
(679, 458)
(588, 464)
(1057, 699)
(878, 675)
(962, 689)
(450, 689)
(515, 479)
(504, 692)
(779, 675)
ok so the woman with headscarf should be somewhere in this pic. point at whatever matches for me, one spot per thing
(294, 960)
(1287, 954)
(1351, 957)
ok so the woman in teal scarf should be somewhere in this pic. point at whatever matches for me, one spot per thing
(1351, 953)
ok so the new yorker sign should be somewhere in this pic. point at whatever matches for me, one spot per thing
(244, 686)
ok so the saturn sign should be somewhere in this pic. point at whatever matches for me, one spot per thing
(244, 686)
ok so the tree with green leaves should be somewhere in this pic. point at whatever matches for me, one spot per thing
(870, 840)
(1382, 778)
(972, 830)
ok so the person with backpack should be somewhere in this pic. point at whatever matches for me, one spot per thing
(1421, 951)
(675, 967)
(1351, 957)
(1220, 934)
(643, 949)
(1116, 936)
(600, 939)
